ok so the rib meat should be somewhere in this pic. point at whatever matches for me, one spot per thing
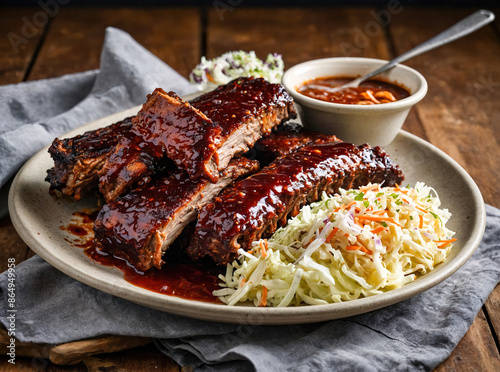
(246, 109)
(78, 159)
(139, 226)
(254, 207)
(287, 138)
(166, 127)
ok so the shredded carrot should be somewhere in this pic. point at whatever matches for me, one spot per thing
(369, 209)
(366, 250)
(420, 209)
(379, 212)
(376, 218)
(243, 281)
(378, 229)
(263, 299)
(347, 206)
(397, 188)
(368, 188)
(356, 221)
(421, 224)
(445, 243)
(331, 235)
(263, 250)
(358, 248)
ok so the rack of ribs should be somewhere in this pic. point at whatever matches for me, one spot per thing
(140, 225)
(286, 138)
(201, 137)
(166, 127)
(256, 206)
(78, 159)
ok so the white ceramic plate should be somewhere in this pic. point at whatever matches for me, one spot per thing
(37, 217)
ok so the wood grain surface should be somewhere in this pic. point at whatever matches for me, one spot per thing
(459, 115)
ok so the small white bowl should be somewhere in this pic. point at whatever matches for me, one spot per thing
(377, 124)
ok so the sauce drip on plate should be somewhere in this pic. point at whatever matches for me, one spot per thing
(180, 278)
(369, 92)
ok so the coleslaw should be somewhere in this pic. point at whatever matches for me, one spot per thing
(356, 243)
(208, 74)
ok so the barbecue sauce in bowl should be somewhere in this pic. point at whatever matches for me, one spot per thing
(369, 92)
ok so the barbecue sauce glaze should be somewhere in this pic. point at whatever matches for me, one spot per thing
(257, 205)
(193, 281)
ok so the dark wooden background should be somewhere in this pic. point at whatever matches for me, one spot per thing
(460, 114)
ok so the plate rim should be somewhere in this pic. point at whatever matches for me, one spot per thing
(248, 314)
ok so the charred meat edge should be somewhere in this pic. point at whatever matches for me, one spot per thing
(78, 159)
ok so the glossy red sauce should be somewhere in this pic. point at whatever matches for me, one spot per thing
(242, 212)
(368, 92)
(176, 278)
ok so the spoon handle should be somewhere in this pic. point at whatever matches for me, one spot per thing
(464, 27)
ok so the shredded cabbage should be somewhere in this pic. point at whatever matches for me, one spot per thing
(357, 243)
(208, 74)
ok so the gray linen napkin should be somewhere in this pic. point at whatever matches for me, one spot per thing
(416, 334)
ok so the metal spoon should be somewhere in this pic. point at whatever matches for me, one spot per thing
(464, 27)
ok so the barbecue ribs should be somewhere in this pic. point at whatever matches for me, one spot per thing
(254, 207)
(78, 159)
(287, 138)
(201, 137)
(139, 226)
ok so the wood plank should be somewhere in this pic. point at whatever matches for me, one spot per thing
(492, 306)
(459, 114)
(76, 36)
(75, 352)
(145, 358)
(18, 48)
(475, 352)
(19, 41)
(11, 245)
(35, 364)
(119, 357)
(324, 32)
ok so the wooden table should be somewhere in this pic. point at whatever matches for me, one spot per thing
(460, 114)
